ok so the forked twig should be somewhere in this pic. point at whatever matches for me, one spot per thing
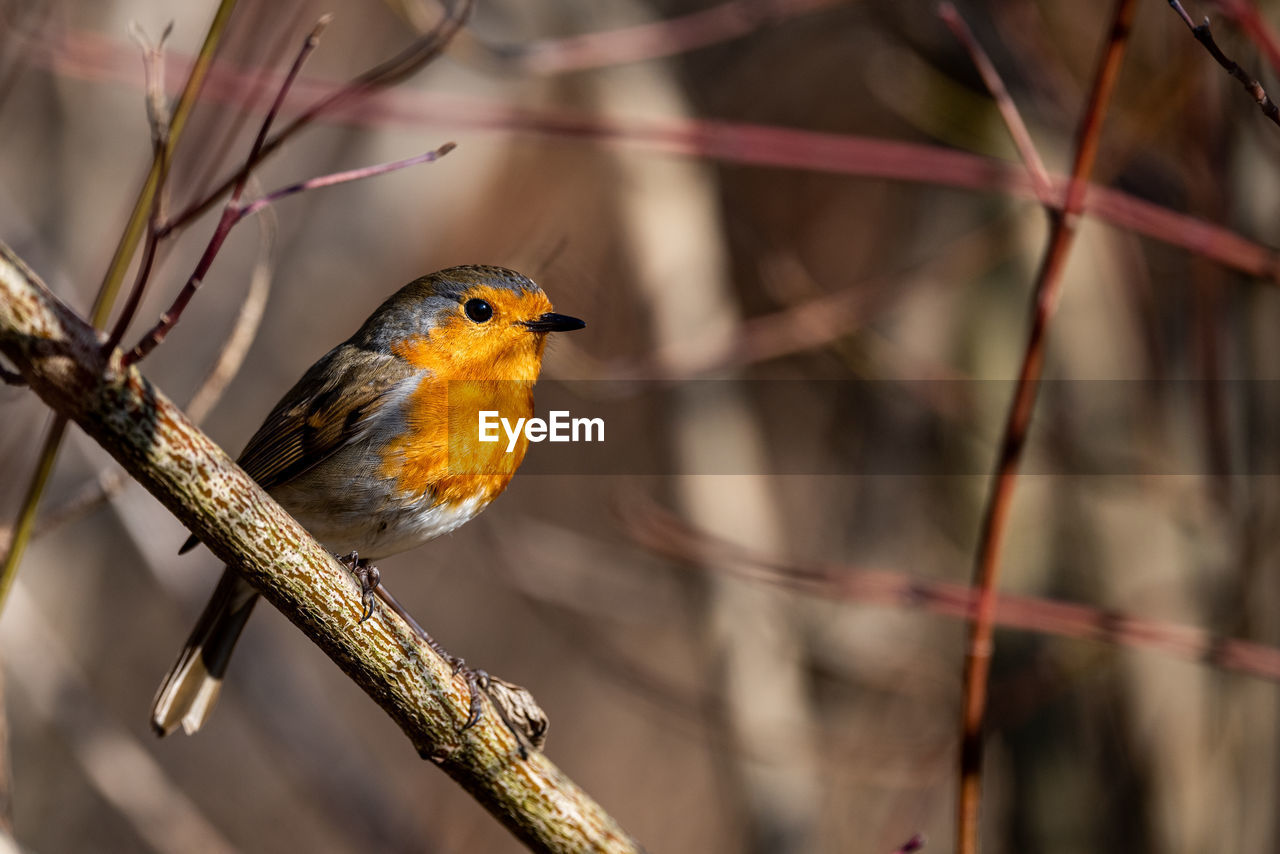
(1040, 180)
(158, 119)
(411, 59)
(234, 211)
(230, 215)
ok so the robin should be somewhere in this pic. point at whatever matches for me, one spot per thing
(376, 449)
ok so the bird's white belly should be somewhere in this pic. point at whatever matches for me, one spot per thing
(387, 532)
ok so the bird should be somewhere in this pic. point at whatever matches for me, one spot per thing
(375, 450)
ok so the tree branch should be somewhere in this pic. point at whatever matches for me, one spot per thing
(1204, 35)
(61, 358)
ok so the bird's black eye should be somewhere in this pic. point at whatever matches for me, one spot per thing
(478, 310)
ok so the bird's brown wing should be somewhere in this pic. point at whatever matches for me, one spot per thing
(324, 411)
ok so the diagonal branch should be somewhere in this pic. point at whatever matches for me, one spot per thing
(1205, 36)
(61, 358)
(986, 570)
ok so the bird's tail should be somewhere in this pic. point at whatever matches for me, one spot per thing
(191, 687)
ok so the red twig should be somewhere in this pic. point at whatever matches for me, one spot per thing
(234, 212)
(669, 37)
(995, 519)
(345, 177)
(912, 845)
(1205, 36)
(231, 214)
(409, 60)
(87, 56)
(1040, 180)
(665, 534)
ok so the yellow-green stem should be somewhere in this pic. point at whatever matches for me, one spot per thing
(110, 287)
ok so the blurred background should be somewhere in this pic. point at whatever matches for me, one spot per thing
(799, 233)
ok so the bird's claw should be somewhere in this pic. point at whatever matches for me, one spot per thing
(369, 578)
(477, 683)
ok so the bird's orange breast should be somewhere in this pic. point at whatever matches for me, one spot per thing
(440, 453)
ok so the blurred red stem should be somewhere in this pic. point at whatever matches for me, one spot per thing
(663, 533)
(656, 39)
(87, 56)
(995, 519)
(1040, 181)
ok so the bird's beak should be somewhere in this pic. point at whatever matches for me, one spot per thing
(552, 322)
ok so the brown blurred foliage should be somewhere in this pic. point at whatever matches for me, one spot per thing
(705, 712)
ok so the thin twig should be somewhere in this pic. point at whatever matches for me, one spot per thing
(235, 212)
(1040, 180)
(158, 119)
(986, 571)
(411, 59)
(231, 211)
(653, 40)
(25, 526)
(734, 142)
(1205, 36)
(1246, 16)
(664, 533)
(245, 330)
(134, 230)
(345, 177)
(149, 249)
(230, 359)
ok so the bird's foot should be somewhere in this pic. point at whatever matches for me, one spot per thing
(369, 578)
(477, 681)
